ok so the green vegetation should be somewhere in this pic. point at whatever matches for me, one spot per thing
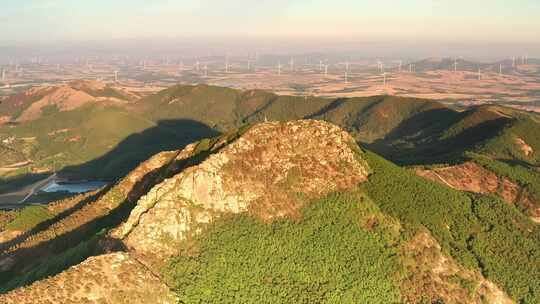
(29, 217)
(526, 177)
(106, 92)
(481, 232)
(95, 142)
(105, 142)
(10, 156)
(470, 119)
(49, 110)
(505, 146)
(508, 249)
(311, 259)
(326, 257)
(446, 213)
(346, 248)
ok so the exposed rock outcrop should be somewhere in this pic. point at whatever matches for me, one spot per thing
(472, 177)
(270, 171)
(524, 147)
(434, 276)
(112, 278)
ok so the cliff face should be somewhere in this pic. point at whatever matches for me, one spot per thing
(271, 171)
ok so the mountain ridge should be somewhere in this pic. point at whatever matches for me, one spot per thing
(325, 156)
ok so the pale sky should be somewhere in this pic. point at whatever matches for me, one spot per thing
(382, 20)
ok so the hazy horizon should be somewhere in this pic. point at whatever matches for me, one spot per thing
(413, 28)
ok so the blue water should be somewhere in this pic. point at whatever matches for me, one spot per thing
(73, 187)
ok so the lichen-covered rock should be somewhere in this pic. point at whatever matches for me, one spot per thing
(113, 278)
(271, 171)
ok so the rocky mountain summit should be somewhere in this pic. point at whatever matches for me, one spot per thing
(270, 170)
(288, 212)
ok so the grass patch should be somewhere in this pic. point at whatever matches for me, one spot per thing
(29, 217)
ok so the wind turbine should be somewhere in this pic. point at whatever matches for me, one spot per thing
(455, 64)
(347, 71)
(500, 69)
(479, 74)
(227, 63)
(326, 70)
(279, 68)
(400, 64)
(320, 66)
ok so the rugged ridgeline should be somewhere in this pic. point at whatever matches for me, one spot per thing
(106, 141)
(275, 212)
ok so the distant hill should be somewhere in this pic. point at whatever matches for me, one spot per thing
(409, 131)
(105, 141)
(432, 64)
(33, 103)
(389, 125)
